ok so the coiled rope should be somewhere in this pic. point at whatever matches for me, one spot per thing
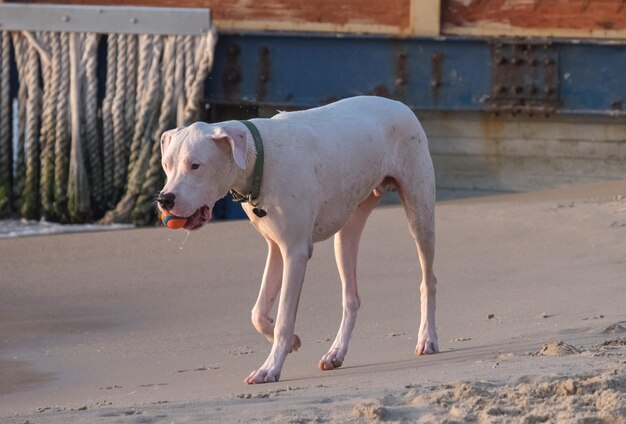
(84, 150)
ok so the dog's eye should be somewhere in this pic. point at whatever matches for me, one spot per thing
(195, 166)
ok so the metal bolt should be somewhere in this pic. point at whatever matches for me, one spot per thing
(65, 18)
(133, 20)
(500, 89)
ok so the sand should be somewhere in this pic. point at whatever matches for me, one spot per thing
(141, 326)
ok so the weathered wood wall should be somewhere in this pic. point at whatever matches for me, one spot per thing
(567, 18)
(480, 151)
(367, 16)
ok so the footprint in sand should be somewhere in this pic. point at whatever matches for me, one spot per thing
(616, 328)
(557, 348)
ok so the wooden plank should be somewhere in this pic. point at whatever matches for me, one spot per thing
(521, 147)
(366, 16)
(519, 174)
(565, 18)
(484, 125)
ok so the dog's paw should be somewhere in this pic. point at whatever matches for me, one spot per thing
(333, 359)
(427, 347)
(263, 375)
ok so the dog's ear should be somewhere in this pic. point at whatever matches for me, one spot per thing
(233, 139)
(166, 137)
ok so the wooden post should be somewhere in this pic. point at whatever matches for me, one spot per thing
(426, 17)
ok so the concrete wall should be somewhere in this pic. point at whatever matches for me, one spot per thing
(475, 151)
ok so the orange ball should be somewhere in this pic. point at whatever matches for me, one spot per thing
(173, 222)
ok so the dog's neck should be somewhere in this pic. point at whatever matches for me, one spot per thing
(242, 183)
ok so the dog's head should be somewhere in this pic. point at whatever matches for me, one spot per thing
(201, 163)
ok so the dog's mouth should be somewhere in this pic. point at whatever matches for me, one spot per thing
(198, 219)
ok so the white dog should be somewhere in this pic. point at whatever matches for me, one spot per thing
(325, 170)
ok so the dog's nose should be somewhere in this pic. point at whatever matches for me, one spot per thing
(166, 200)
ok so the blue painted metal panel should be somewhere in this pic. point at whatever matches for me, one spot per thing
(593, 77)
(286, 69)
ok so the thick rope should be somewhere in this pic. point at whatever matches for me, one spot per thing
(204, 64)
(78, 203)
(119, 122)
(179, 82)
(6, 133)
(146, 53)
(66, 159)
(142, 211)
(62, 147)
(50, 41)
(30, 193)
(92, 139)
(19, 176)
(147, 113)
(131, 87)
(108, 159)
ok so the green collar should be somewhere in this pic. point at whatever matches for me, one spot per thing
(257, 174)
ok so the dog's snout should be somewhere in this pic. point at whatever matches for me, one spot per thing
(166, 200)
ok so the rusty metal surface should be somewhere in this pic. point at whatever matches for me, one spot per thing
(525, 77)
(512, 76)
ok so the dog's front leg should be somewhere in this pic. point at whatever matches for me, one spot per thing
(295, 259)
(270, 286)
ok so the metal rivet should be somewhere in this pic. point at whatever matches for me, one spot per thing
(65, 18)
(133, 20)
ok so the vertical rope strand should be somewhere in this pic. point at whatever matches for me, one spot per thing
(78, 203)
(30, 193)
(62, 145)
(93, 140)
(119, 124)
(19, 172)
(107, 123)
(50, 42)
(6, 130)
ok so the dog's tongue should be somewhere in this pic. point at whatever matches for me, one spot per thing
(196, 220)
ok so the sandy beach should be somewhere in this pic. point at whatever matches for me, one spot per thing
(148, 326)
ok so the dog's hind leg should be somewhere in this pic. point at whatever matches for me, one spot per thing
(417, 193)
(346, 250)
(270, 287)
